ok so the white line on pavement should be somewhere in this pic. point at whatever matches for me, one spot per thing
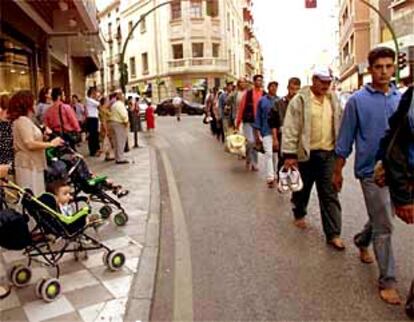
(183, 277)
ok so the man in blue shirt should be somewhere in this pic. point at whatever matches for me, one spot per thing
(263, 132)
(365, 122)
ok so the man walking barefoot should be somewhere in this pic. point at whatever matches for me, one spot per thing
(309, 133)
(365, 122)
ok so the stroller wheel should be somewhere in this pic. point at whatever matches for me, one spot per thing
(20, 275)
(105, 212)
(50, 289)
(39, 286)
(105, 258)
(120, 219)
(115, 260)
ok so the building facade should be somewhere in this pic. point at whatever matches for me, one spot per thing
(185, 46)
(400, 14)
(48, 43)
(354, 42)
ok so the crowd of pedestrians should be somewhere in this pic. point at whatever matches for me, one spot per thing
(28, 128)
(307, 136)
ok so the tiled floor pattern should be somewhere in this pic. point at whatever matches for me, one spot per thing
(90, 291)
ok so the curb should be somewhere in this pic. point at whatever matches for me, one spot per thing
(140, 297)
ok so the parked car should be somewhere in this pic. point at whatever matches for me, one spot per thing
(166, 107)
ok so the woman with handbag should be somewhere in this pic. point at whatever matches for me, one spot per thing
(61, 119)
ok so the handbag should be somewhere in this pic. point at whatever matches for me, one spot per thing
(73, 137)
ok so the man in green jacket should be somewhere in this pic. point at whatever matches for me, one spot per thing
(310, 130)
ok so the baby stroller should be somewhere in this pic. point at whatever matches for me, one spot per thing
(53, 236)
(65, 163)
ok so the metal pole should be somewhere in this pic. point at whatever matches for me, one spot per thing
(394, 36)
(122, 69)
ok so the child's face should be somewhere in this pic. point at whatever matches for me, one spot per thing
(64, 195)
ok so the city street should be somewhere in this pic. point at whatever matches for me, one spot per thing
(229, 250)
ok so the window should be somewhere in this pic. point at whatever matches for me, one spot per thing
(212, 8)
(111, 75)
(232, 27)
(143, 25)
(110, 50)
(198, 50)
(228, 22)
(216, 50)
(176, 10)
(144, 63)
(178, 51)
(196, 8)
(132, 67)
(110, 30)
(130, 25)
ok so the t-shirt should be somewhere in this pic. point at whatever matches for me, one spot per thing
(119, 113)
(92, 107)
(24, 130)
(41, 110)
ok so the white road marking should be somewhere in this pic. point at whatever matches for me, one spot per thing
(183, 277)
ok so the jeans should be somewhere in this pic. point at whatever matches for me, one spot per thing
(270, 158)
(378, 229)
(319, 170)
(251, 153)
(92, 124)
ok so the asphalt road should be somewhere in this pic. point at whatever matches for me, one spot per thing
(246, 260)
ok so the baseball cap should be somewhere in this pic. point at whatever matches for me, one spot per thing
(324, 73)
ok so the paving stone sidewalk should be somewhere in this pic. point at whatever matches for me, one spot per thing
(90, 291)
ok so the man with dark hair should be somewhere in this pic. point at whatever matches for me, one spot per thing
(309, 135)
(365, 122)
(92, 121)
(277, 116)
(61, 119)
(225, 110)
(246, 114)
(263, 133)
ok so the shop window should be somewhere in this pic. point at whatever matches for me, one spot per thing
(196, 9)
(216, 50)
(145, 69)
(176, 10)
(198, 50)
(178, 51)
(213, 8)
(15, 69)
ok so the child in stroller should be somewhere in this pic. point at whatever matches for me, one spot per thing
(54, 235)
(65, 163)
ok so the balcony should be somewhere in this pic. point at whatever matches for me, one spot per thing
(198, 65)
(88, 12)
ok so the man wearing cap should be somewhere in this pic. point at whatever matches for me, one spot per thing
(365, 122)
(311, 124)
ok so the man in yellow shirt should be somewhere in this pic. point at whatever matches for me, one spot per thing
(309, 132)
(118, 122)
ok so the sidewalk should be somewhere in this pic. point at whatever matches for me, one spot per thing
(90, 291)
